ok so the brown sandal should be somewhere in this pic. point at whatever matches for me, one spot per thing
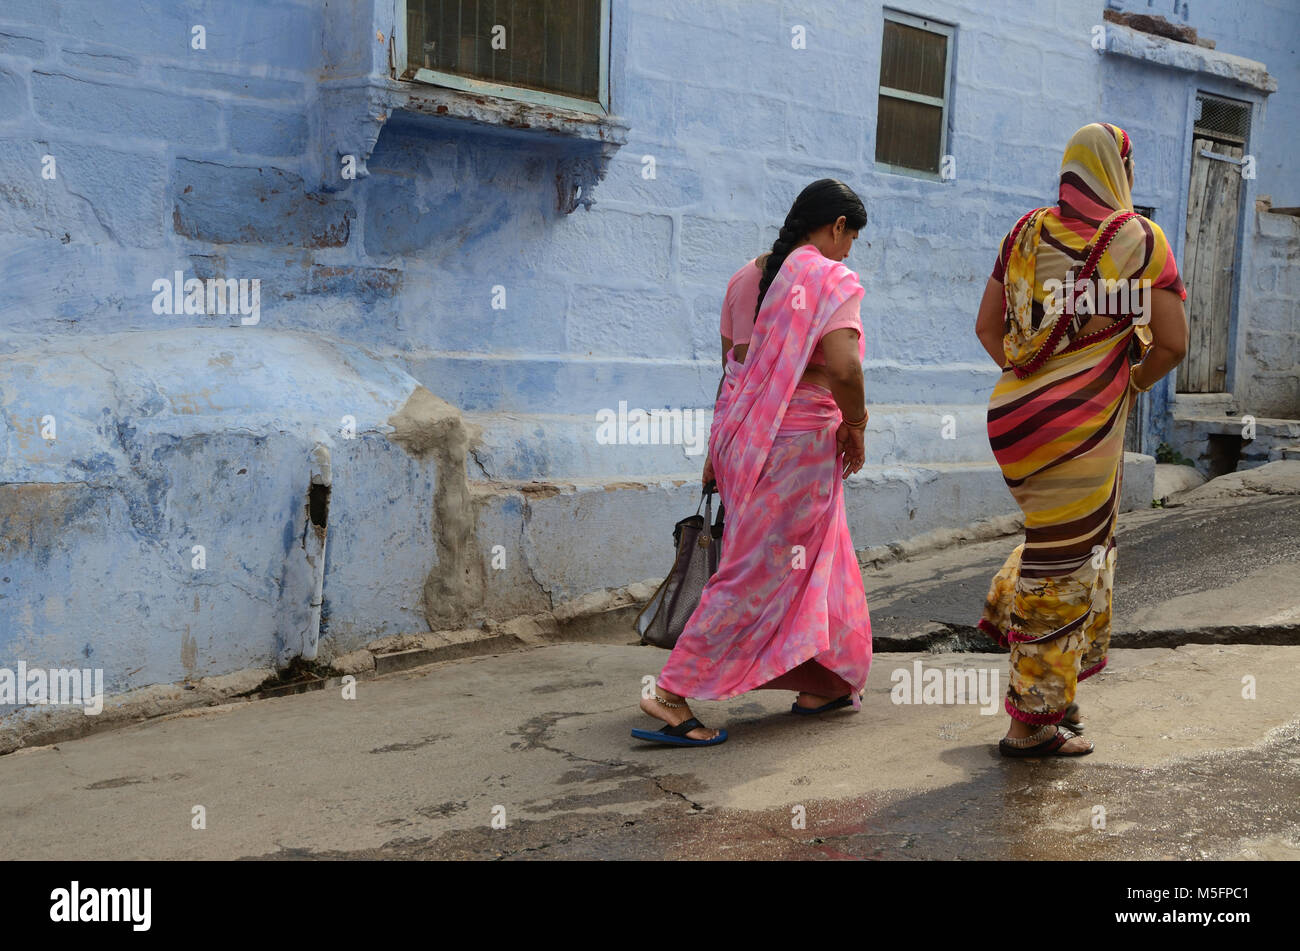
(1045, 742)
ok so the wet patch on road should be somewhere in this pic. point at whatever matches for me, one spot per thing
(1220, 805)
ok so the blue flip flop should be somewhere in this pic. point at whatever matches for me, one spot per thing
(676, 735)
(844, 701)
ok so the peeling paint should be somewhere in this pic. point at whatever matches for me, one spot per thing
(616, 486)
(427, 426)
(189, 654)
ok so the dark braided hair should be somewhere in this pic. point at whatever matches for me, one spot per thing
(821, 203)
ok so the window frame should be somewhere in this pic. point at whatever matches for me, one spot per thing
(949, 32)
(598, 107)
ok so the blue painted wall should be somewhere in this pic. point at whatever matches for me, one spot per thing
(1264, 347)
(210, 161)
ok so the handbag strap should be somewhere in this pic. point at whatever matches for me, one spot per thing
(706, 493)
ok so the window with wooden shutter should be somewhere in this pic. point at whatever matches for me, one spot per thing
(912, 112)
(552, 52)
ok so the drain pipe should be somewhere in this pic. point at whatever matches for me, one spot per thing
(318, 510)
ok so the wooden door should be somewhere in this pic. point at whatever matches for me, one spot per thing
(1209, 263)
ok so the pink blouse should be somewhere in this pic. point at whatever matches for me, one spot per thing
(741, 300)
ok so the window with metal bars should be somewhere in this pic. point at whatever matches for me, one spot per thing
(912, 112)
(552, 52)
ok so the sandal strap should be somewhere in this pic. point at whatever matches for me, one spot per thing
(1042, 735)
(683, 728)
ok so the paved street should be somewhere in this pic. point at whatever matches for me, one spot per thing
(1221, 569)
(421, 762)
(414, 767)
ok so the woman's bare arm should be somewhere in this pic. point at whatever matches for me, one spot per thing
(989, 325)
(1169, 338)
(844, 371)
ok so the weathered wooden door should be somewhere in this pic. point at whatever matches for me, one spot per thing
(1209, 263)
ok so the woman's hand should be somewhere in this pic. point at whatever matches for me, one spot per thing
(708, 470)
(848, 440)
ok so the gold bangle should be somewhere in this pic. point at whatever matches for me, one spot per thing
(1133, 382)
(860, 424)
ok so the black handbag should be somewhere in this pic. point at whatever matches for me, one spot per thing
(699, 547)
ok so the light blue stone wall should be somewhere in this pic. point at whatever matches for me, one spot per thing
(209, 162)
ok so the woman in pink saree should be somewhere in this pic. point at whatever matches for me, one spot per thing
(786, 609)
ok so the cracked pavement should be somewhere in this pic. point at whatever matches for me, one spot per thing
(415, 767)
(527, 754)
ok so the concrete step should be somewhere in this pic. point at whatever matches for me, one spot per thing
(1218, 444)
(1205, 404)
(1264, 426)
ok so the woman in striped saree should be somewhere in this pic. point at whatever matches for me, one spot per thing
(1067, 344)
(786, 609)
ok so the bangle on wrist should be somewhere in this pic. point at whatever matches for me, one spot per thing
(860, 424)
(1132, 378)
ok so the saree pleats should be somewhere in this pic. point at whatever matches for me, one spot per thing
(1059, 438)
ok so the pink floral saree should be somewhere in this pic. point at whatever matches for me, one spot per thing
(786, 608)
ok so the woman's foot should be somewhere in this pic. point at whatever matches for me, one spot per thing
(811, 704)
(811, 701)
(1074, 746)
(674, 711)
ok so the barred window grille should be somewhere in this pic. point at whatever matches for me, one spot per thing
(1224, 120)
(551, 51)
(912, 111)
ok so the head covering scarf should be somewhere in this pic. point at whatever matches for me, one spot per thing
(1052, 244)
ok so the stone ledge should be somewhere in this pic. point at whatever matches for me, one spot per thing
(1124, 41)
(351, 114)
(1232, 425)
(509, 115)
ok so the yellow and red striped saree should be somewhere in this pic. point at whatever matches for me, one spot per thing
(1056, 420)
